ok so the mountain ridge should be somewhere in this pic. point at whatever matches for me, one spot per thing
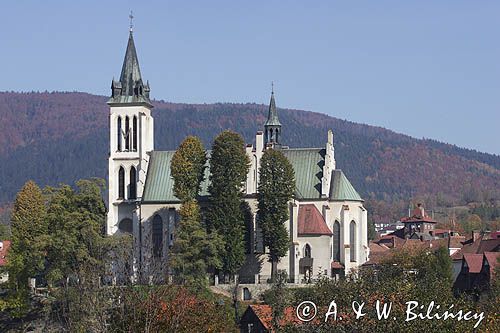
(381, 163)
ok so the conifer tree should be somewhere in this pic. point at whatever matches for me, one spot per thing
(229, 166)
(29, 236)
(194, 249)
(276, 188)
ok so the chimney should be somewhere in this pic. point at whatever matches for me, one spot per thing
(475, 235)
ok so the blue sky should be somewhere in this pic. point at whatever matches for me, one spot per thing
(424, 68)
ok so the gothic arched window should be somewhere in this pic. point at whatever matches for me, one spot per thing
(307, 251)
(336, 241)
(119, 132)
(133, 184)
(127, 134)
(125, 226)
(134, 135)
(157, 236)
(352, 240)
(121, 183)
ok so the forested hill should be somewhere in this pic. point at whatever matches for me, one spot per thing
(61, 137)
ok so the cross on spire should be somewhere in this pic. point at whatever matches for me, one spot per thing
(272, 87)
(131, 16)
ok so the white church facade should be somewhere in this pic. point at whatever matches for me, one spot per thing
(327, 224)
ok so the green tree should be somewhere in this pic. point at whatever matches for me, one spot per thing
(188, 165)
(76, 227)
(29, 236)
(229, 166)
(276, 188)
(194, 250)
(372, 233)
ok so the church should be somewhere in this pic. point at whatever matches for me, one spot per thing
(327, 224)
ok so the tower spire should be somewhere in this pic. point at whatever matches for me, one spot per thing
(130, 88)
(272, 127)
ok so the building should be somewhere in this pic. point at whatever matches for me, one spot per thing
(418, 223)
(327, 225)
(477, 272)
(4, 248)
(259, 319)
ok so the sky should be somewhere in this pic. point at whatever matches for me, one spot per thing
(423, 68)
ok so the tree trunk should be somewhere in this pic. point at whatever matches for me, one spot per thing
(274, 268)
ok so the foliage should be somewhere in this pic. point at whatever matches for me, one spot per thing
(276, 188)
(188, 165)
(5, 232)
(194, 250)
(278, 297)
(171, 309)
(229, 165)
(76, 222)
(26, 257)
(394, 282)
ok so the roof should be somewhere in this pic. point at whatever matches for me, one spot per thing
(418, 215)
(264, 313)
(311, 222)
(308, 167)
(4, 248)
(159, 185)
(131, 87)
(307, 164)
(456, 242)
(479, 246)
(341, 188)
(474, 262)
(492, 259)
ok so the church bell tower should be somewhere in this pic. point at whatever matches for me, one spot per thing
(131, 138)
(272, 127)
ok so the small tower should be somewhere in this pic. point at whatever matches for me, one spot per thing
(272, 127)
(131, 138)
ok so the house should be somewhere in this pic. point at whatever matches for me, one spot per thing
(477, 272)
(259, 319)
(476, 245)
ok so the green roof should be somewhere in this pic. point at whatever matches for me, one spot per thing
(341, 188)
(159, 185)
(307, 164)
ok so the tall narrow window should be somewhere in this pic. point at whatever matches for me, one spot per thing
(121, 183)
(127, 134)
(352, 240)
(307, 251)
(157, 236)
(336, 242)
(119, 132)
(134, 134)
(133, 184)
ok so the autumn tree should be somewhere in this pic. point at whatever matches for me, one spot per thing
(229, 166)
(29, 236)
(276, 188)
(188, 166)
